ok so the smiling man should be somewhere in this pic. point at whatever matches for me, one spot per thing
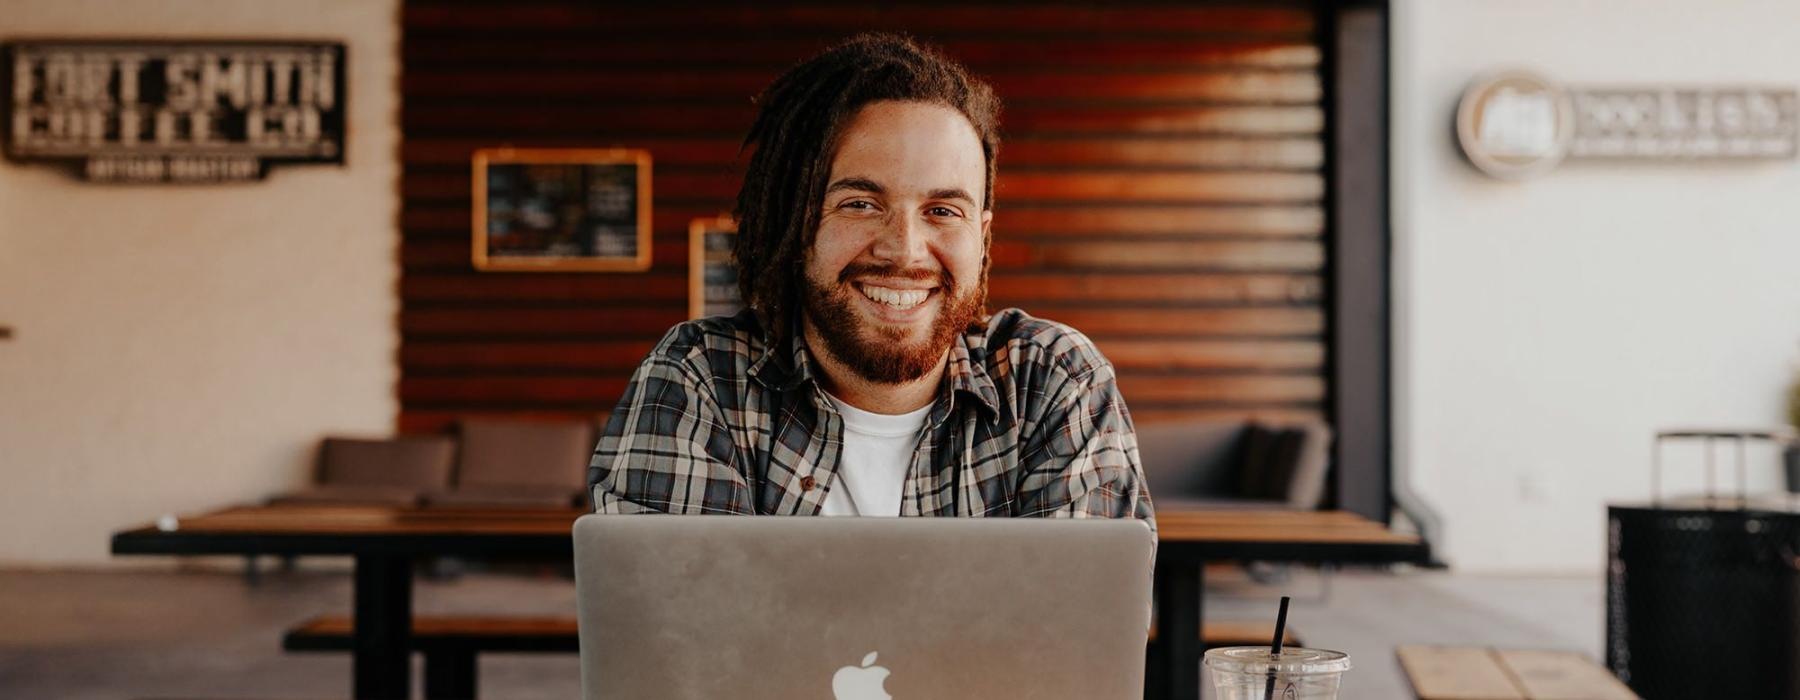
(866, 377)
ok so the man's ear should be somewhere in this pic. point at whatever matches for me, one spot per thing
(987, 224)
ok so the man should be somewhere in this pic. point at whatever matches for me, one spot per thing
(866, 378)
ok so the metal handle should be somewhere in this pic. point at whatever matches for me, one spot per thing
(1779, 436)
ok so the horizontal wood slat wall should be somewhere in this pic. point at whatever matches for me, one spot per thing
(1160, 187)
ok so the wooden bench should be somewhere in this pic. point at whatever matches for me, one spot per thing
(451, 643)
(1473, 673)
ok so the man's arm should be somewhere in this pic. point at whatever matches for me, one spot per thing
(667, 448)
(1081, 460)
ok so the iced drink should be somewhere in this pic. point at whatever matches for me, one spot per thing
(1242, 673)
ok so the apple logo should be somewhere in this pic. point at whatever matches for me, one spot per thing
(852, 683)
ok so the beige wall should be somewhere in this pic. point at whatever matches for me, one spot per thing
(182, 347)
(1545, 328)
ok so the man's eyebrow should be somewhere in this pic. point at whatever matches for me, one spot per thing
(951, 193)
(855, 183)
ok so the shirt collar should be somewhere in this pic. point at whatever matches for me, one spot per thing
(771, 371)
(967, 373)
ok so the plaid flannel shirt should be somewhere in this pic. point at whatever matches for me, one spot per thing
(716, 421)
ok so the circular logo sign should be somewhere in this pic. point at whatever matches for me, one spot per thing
(1514, 125)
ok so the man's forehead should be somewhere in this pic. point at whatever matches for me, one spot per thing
(909, 148)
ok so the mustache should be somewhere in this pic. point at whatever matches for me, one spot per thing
(895, 271)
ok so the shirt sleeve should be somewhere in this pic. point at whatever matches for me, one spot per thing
(1081, 460)
(667, 448)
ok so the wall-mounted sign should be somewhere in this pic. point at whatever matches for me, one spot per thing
(561, 209)
(712, 268)
(173, 111)
(1514, 125)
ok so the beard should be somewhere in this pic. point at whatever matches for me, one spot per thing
(881, 354)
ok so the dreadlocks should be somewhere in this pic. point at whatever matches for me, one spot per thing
(795, 138)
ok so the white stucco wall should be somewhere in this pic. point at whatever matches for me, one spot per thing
(182, 347)
(1544, 329)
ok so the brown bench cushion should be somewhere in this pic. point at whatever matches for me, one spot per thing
(389, 472)
(1190, 459)
(1285, 463)
(415, 462)
(524, 454)
(1217, 460)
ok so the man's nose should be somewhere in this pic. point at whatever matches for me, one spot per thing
(902, 240)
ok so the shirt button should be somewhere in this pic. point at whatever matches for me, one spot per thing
(807, 483)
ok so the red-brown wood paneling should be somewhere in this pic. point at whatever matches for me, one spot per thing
(1160, 186)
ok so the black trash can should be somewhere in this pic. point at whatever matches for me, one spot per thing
(1703, 595)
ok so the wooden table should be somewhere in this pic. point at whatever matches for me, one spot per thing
(1471, 673)
(1188, 538)
(385, 541)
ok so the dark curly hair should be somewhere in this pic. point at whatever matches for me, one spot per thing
(798, 121)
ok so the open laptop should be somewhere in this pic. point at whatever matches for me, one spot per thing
(861, 608)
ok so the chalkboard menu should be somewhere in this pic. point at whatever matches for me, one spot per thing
(173, 111)
(561, 210)
(712, 269)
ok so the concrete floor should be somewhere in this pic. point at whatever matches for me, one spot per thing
(73, 636)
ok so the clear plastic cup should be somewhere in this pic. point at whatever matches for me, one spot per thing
(1242, 673)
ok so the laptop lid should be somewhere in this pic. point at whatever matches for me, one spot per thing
(861, 608)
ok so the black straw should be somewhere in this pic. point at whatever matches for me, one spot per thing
(1275, 648)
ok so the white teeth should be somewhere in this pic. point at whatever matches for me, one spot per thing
(897, 298)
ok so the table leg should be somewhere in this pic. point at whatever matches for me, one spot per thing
(380, 656)
(450, 674)
(1178, 616)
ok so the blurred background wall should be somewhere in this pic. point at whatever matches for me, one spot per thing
(181, 347)
(1159, 186)
(1545, 328)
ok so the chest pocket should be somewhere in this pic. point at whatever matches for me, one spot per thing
(801, 457)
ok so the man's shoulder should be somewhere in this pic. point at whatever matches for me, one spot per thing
(713, 344)
(1019, 339)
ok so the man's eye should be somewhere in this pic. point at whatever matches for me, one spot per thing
(942, 211)
(857, 204)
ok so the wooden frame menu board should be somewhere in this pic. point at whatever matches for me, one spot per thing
(712, 271)
(561, 210)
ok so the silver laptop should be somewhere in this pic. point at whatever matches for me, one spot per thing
(861, 608)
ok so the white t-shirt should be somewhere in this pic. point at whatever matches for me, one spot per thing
(877, 450)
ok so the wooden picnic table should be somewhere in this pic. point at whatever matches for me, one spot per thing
(384, 542)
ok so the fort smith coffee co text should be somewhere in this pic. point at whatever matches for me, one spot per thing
(174, 111)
